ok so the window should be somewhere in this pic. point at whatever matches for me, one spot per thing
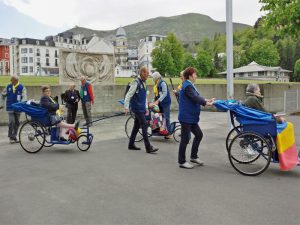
(150, 38)
(47, 52)
(56, 64)
(24, 69)
(55, 53)
(47, 62)
(30, 50)
(30, 59)
(38, 53)
(38, 59)
(31, 69)
(23, 41)
(24, 59)
(23, 50)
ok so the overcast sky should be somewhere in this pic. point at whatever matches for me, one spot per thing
(39, 18)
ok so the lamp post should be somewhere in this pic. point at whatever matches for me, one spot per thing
(229, 49)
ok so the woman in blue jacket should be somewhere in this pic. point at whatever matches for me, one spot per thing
(190, 102)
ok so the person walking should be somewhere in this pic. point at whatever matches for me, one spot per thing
(14, 92)
(136, 98)
(163, 100)
(87, 99)
(71, 97)
(190, 102)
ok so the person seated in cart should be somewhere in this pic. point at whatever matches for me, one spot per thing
(156, 121)
(55, 112)
(285, 130)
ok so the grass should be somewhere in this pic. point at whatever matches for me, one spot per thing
(31, 80)
(51, 80)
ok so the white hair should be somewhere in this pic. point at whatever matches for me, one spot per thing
(252, 88)
(156, 76)
(14, 77)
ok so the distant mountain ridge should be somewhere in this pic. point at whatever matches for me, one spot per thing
(188, 28)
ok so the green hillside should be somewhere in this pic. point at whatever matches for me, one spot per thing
(189, 28)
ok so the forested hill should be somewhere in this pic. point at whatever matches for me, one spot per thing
(189, 28)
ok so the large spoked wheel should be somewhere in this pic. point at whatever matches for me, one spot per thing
(84, 142)
(249, 153)
(128, 128)
(47, 137)
(232, 133)
(32, 137)
(177, 134)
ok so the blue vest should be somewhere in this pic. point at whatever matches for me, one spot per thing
(138, 100)
(12, 97)
(189, 112)
(167, 100)
(84, 89)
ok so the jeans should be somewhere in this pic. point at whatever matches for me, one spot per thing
(139, 122)
(166, 113)
(186, 130)
(13, 124)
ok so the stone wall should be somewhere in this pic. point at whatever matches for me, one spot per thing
(106, 97)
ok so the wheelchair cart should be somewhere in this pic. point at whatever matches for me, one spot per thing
(37, 132)
(251, 145)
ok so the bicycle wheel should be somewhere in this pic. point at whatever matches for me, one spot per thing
(249, 153)
(32, 137)
(47, 138)
(128, 129)
(232, 133)
(177, 134)
(84, 142)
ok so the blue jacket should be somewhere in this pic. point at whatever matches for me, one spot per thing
(12, 97)
(167, 100)
(84, 93)
(138, 100)
(46, 103)
(189, 103)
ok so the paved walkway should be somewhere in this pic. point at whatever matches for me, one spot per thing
(111, 185)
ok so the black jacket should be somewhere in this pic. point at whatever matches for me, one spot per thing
(49, 105)
(72, 97)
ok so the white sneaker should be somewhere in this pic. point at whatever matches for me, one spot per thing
(250, 151)
(197, 161)
(186, 165)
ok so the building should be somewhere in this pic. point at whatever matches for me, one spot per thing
(4, 56)
(145, 48)
(34, 57)
(121, 48)
(133, 61)
(254, 71)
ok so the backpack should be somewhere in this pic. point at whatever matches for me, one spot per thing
(128, 86)
(127, 89)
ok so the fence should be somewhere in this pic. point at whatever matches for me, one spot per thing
(291, 101)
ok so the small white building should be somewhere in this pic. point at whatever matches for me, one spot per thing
(254, 71)
(145, 48)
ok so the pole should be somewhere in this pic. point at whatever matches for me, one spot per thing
(229, 49)
(229, 55)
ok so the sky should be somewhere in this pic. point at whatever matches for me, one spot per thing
(40, 18)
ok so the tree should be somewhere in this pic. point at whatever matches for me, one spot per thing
(284, 15)
(168, 56)
(204, 63)
(189, 60)
(175, 49)
(296, 76)
(161, 59)
(263, 52)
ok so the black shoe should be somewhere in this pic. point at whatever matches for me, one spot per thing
(62, 139)
(16, 140)
(77, 124)
(151, 150)
(133, 147)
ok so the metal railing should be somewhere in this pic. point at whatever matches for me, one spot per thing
(291, 101)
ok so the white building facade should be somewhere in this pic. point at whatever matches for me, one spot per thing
(145, 48)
